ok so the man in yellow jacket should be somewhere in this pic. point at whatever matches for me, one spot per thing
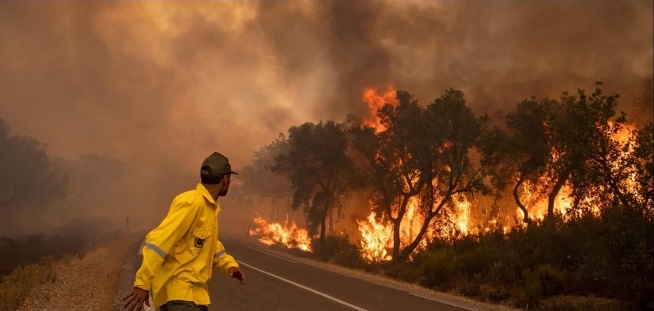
(179, 254)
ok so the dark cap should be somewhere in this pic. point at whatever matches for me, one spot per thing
(215, 165)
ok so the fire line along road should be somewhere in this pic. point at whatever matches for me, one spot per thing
(280, 282)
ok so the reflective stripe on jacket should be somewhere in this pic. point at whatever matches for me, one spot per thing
(178, 255)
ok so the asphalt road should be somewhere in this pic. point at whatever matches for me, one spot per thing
(276, 282)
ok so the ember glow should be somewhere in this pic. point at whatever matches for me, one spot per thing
(275, 233)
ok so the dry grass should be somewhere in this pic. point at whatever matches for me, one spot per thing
(577, 303)
(16, 286)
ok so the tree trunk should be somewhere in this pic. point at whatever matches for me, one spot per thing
(322, 231)
(555, 191)
(397, 222)
(516, 197)
(330, 214)
(404, 254)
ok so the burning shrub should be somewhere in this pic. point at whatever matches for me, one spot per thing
(288, 235)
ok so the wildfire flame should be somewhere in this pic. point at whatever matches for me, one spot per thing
(376, 238)
(534, 198)
(376, 235)
(375, 101)
(533, 195)
(289, 236)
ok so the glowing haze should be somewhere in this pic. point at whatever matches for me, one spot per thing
(164, 83)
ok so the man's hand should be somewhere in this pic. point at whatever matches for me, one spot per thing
(135, 299)
(236, 273)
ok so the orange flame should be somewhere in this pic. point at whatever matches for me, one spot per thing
(375, 101)
(535, 200)
(376, 236)
(289, 236)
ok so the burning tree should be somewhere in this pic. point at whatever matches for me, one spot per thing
(618, 168)
(575, 148)
(391, 160)
(425, 156)
(527, 146)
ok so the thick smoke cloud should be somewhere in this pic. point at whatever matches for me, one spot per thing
(163, 84)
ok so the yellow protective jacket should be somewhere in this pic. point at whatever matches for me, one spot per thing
(179, 254)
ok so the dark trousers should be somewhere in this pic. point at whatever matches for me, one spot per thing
(181, 305)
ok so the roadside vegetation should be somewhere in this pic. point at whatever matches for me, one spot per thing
(610, 256)
(591, 263)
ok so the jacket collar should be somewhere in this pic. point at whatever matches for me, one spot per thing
(205, 193)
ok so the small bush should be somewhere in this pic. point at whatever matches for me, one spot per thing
(495, 292)
(540, 282)
(471, 288)
(339, 250)
(440, 269)
(500, 272)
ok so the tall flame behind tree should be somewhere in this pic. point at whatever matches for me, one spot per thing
(375, 102)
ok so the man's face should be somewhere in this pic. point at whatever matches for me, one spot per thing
(223, 190)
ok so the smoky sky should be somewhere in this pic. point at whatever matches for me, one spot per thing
(165, 83)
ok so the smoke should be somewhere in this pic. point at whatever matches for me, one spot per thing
(162, 84)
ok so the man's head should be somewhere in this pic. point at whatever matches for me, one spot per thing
(217, 171)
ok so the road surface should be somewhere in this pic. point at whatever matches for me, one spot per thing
(280, 282)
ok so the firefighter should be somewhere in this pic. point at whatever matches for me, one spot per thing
(179, 254)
